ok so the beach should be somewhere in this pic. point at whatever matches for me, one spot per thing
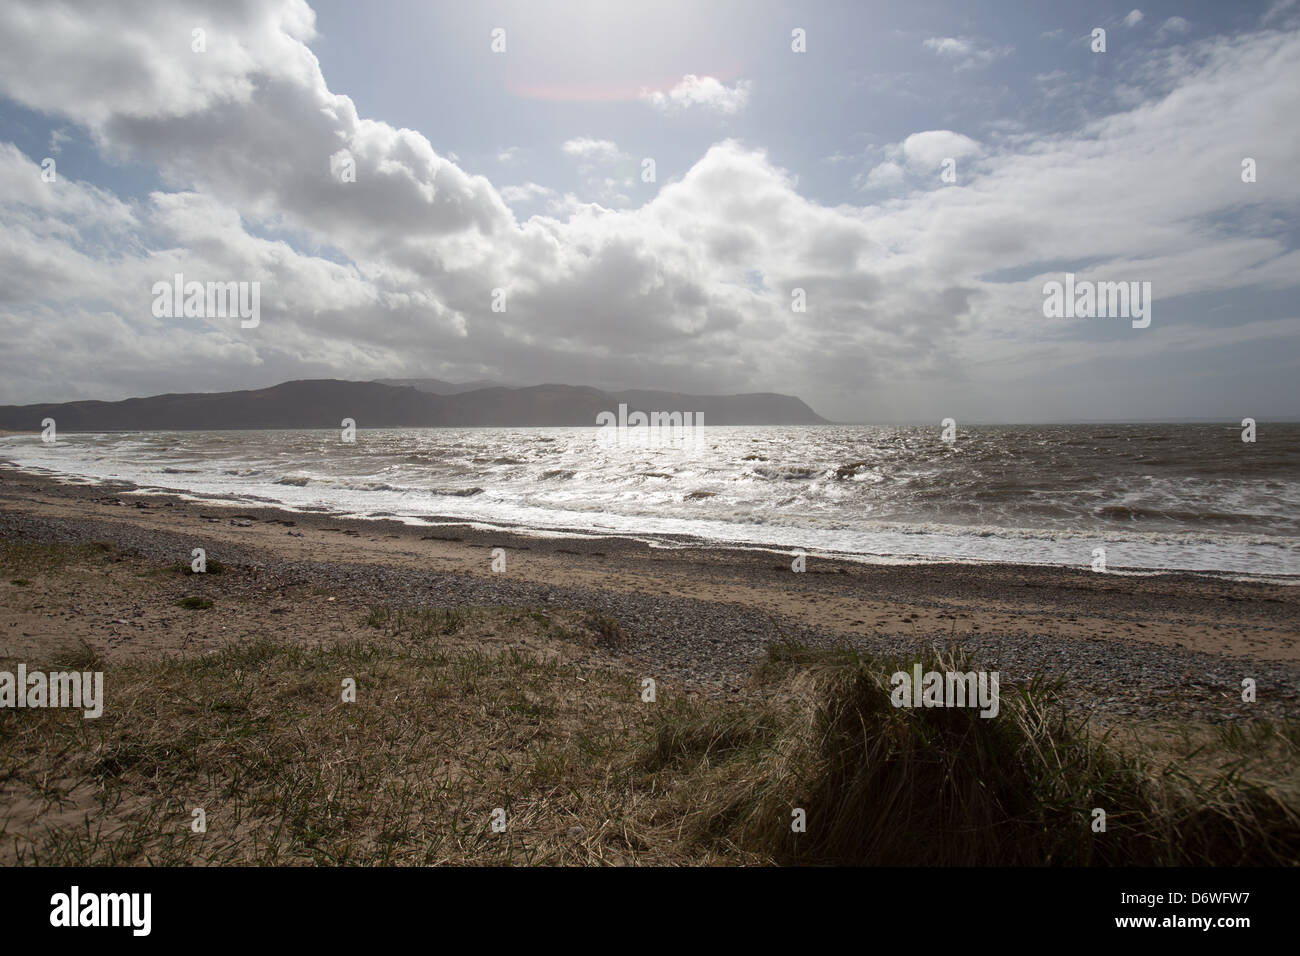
(1152, 645)
(616, 700)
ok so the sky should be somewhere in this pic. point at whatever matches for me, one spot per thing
(856, 203)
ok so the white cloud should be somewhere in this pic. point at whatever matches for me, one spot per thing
(919, 159)
(705, 92)
(966, 53)
(114, 62)
(527, 192)
(1133, 18)
(1174, 25)
(932, 147)
(57, 138)
(887, 175)
(593, 150)
(595, 157)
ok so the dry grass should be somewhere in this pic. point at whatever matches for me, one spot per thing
(259, 737)
(460, 711)
(882, 785)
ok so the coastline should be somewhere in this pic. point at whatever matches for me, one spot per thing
(1149, 646)
(654, 538)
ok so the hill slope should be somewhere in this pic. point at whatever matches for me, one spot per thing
(324, 403)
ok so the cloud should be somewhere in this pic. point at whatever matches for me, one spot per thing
(527, 192)
(918, 159)
(595, 157)
(1133, 18)
(705, 92)
(114, 61)
(593, 150)
(57, 138)
(934, 146)
(966, 53)
(1174, 25)
(1277, 10)
(887, 175)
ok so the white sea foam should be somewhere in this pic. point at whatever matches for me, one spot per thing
(1156, 497)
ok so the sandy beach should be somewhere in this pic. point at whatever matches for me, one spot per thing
(1151, 645)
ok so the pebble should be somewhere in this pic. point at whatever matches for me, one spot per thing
(709, 644)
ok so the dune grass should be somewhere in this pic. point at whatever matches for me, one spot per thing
(885, 785)
(459, 713)
(260, 738)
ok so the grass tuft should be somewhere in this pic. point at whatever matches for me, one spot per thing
(897, 786)
(193, 602)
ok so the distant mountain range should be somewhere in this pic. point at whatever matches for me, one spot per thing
(324, 403)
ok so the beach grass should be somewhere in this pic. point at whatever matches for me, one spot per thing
(439, 739)
(886, 785)
(503, 735)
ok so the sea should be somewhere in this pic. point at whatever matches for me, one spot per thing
(1142, 498)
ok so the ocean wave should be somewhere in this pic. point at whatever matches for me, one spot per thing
(1137, 513)
(1045, 493)
(862, 471)
(373, 486)
(786, 472)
